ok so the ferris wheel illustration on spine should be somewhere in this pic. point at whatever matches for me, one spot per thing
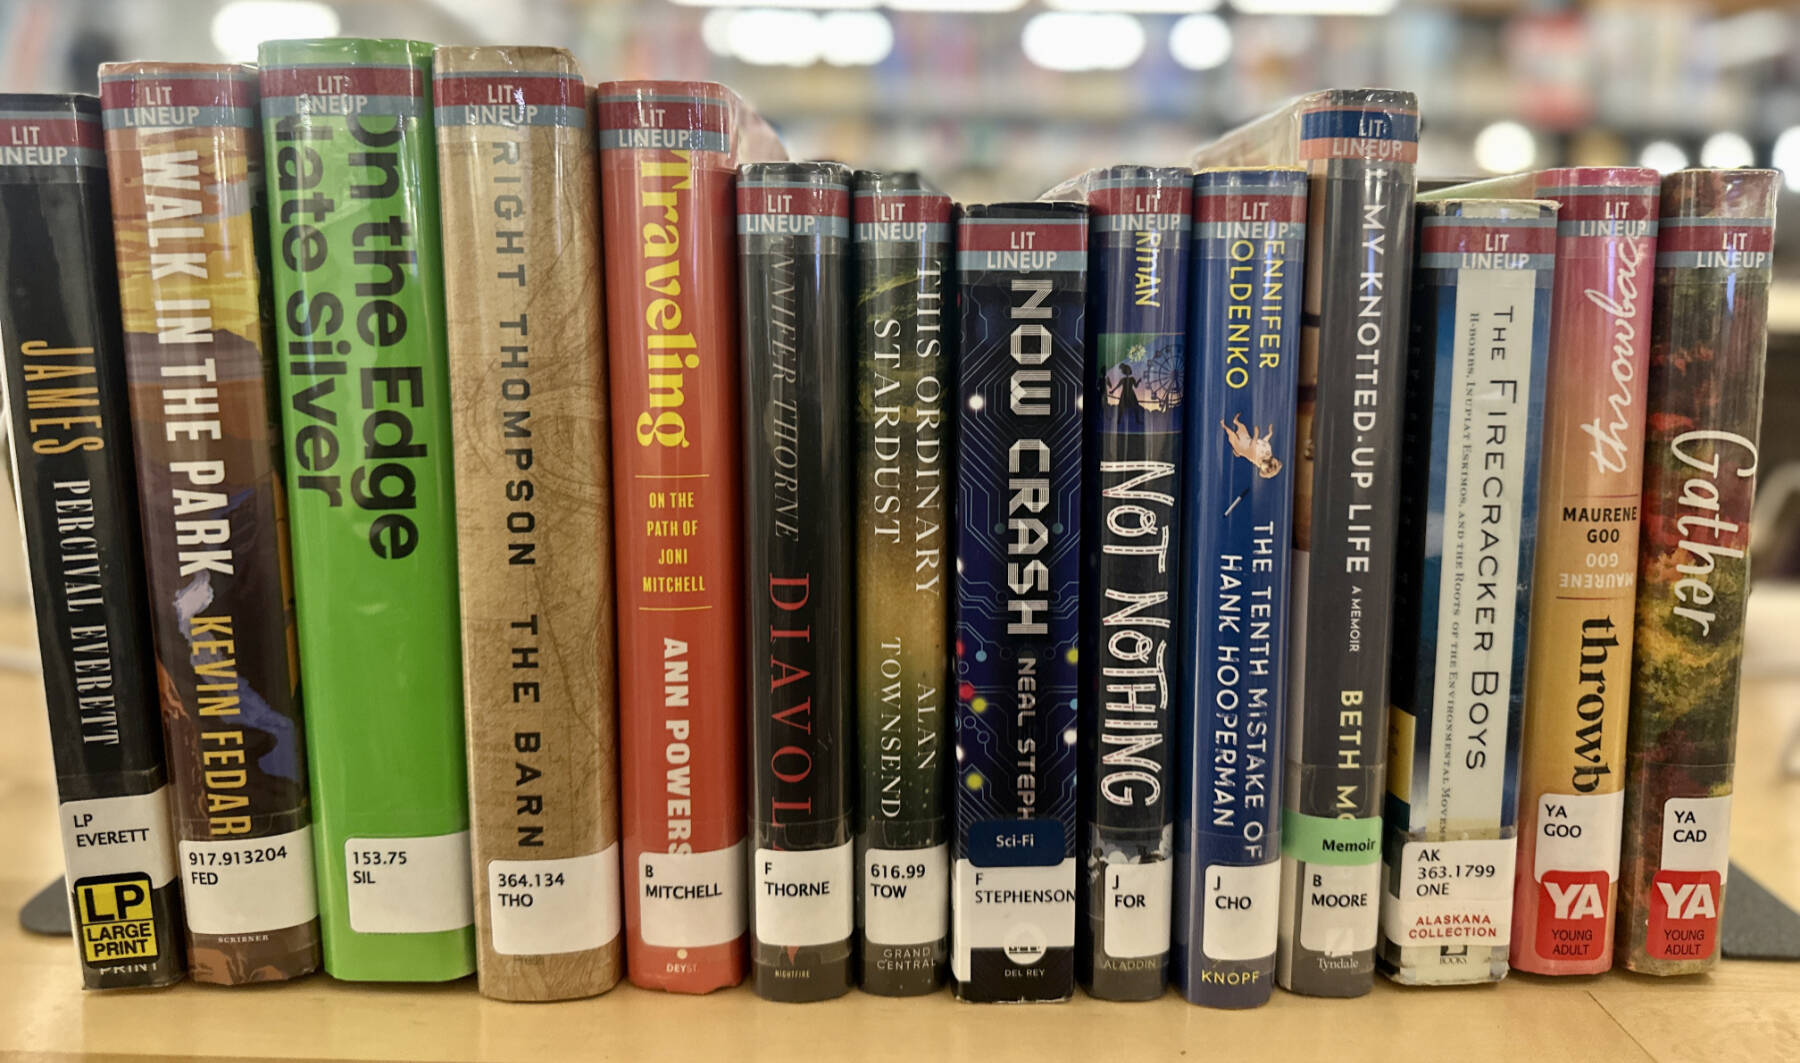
(1156, 368)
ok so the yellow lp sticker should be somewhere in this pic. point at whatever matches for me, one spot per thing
(116, 919)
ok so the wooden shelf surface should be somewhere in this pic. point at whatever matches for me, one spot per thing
(1747, 1011)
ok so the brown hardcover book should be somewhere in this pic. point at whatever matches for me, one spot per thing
(185, 161)
(534, 516)
(1714, 254)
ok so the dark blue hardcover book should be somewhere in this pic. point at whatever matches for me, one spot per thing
(1360, 147)
(1022, 271)
(1462, 590)
(1137, 343)
(1249, 234)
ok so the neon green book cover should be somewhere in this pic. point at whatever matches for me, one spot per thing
(359, 309)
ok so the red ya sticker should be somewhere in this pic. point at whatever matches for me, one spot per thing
(1573, 920)
(1684, 915)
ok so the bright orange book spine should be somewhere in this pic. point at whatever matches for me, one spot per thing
(668, 155)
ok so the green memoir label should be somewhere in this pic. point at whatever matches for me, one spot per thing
(359, 310)
(1329, 841)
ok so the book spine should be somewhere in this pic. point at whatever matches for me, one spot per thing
(534, 519)
(1468, 531)
(793, 227)
(666, 176)
(185, 161)
(1572, 775)
(1135, 379)
(1021, 278)
(67, 403)
(1360, 147)
(1249, 235)
(365, 411)
(1713, 263)
(905, 357)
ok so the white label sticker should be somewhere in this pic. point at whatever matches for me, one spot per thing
(249, 885)
(1137, 900)
(116, 835)
(804, 896)
(1452, 893)
(1578, 832)
(546, 907)
(1241, 911)
(906, 895)
(1339, 907)
(1697, 834)
(691, 900)
(409, 885)
(1024, 910)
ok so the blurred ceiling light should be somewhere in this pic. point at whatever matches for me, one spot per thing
(1787, 156)
(855, 38)
(1727, 149)
(1137, 7)
(1066, 40)
(1505, 147)
(1663, 156)
(715, 31)
(1200, 42)
(824, 4)
(959, 6)
(239, 26)
(1315, 7)
(769, 36)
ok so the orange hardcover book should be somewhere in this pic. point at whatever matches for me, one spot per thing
(669, 151)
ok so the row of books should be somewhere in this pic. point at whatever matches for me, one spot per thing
(704, 563)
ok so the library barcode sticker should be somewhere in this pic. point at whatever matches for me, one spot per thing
(1242, 905)
(249, 885)
(1578, 832)
(1451, 893)
(691, 900)
(1137, 899)
(804, 896)
(1337, 872)
(906, 895)
(414, 885)
(1337, 907)
(1024, 911)
(111, 835)
(548, 907)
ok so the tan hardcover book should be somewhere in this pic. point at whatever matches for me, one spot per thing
(534, 516)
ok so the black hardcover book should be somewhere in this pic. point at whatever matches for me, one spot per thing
(1022, 279)
(67, 398)
(794, 258)
(1359, 146)
(1136, 372)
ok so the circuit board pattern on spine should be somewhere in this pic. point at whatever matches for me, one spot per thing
(1022, 272)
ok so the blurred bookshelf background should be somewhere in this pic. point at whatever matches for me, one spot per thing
(1002, 98)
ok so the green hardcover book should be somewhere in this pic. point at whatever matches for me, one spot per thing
(359, 311)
